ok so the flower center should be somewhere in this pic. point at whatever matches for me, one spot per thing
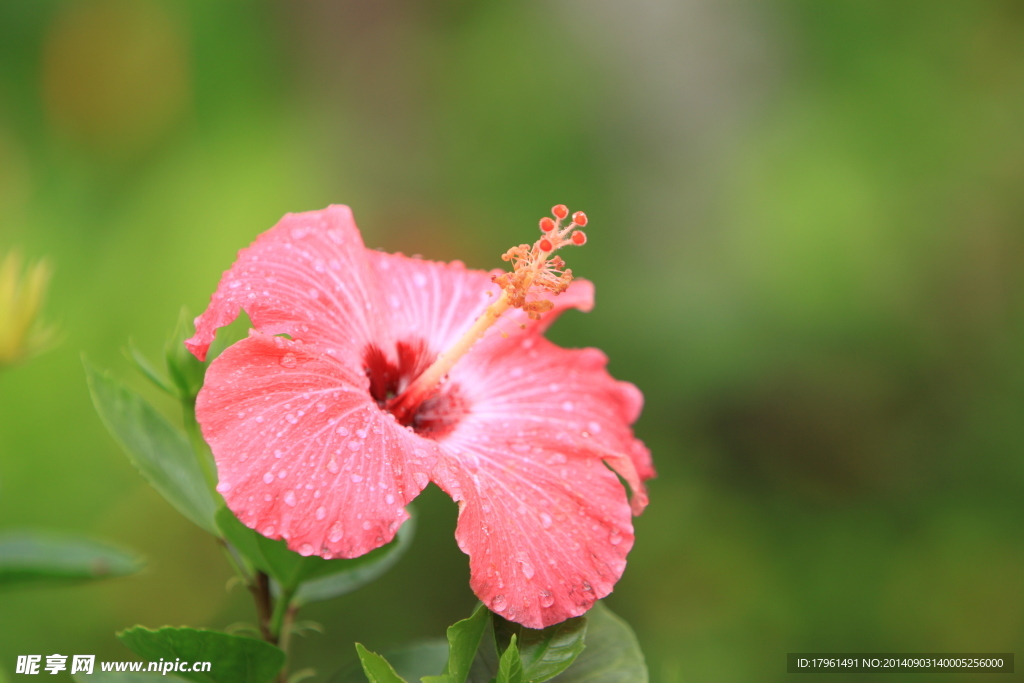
(434, 417)
(535, 268)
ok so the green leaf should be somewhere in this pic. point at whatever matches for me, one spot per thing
(186, 371)
(545, 653)
(233, 659)
(510, 668)
(241, 538)
(332, 578)
(146, 368)
(463, 641)
(376, 668)
(27, 557)
(313, 578)
(411, 663)
(159, 451)
(613, 654)
(98, 676)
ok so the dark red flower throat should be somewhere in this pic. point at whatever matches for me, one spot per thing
(432, 418)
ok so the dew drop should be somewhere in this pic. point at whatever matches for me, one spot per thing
(335, 533)
(499, 604)
(289, 360)
(615, 538)
(527, 568)
(354, 445)
(223, 487)
(343, 430)
(269, 531)
(567, 406)
(418, 278)
(321, 512)
(421, 479)
(289, 499)
(268, 478)
(389, 499)
(332, 466)
(291, 418)
(267, 497)
(306, 549)
(356, 478)
(367, 525)
(546, 599)
(545, 519)
(259, 418)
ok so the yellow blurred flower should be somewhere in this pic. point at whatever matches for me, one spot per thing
(23, 334)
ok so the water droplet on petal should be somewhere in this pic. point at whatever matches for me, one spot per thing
(321, 512)
(546, 599)
(421, 479)
(367, 525)
(223, 487)
(289, 360)
(335, 533)
(545, 519)
(389, 499)
(289, 499)
(306, 549)
(332, 466)
(527, 568)
(499, 604)
(343, 430)
(615, 538)
(356, 478)
(268, 478)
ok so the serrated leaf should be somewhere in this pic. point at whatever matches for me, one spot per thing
(160, 452)
(376, 668)
(233, 659)
(32, 557)
(510, 668)
(547, 652)
(613, 654)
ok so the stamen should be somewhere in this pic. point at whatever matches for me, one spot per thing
(532, 267)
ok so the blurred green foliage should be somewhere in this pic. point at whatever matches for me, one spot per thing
(807, 236)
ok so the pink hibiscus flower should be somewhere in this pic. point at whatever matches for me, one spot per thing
(394, 374)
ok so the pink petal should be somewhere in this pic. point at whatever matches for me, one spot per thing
(307, 277)
(546, 524)
(546, 536)
(438, 302)
(302, 451)
(562, 398)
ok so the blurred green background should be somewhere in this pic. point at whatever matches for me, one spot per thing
(807, 237)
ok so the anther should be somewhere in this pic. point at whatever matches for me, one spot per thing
(579, 238)
(560, 211)
(546, 224)
(580, 219)
(545, 245)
